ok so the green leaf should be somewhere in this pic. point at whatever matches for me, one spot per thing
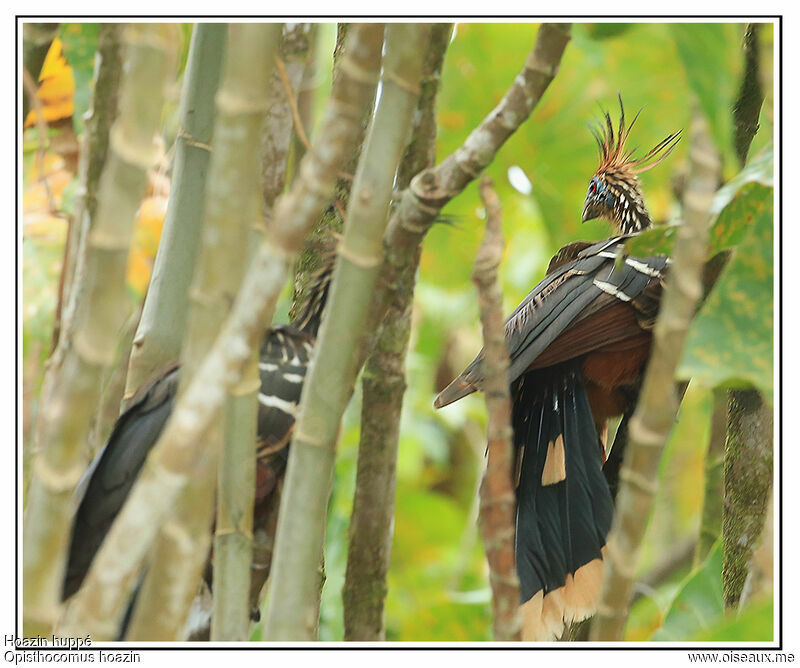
(606, 30)
(758, 170)
(702, 50)
(698, 604)
(732, 203)
(80, 43)
(755, 623)
(655, 241)
(730, 341)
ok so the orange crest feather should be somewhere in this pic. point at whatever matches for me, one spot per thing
(613, 154)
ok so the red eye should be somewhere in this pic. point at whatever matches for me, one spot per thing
(592, 187)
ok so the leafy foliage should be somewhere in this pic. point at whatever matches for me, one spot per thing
(698, 612)
(438, 587)
(80, 44)
(704, 51)
(730, 341)
(697, 603)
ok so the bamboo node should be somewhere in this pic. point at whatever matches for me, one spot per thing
(131, 153)
(90, 353)
(312, 442)
(357, 259)
(352, 69)
(463, 157)
(407, 86)
(411, 227)
(636, 479)
(191, 141)
(221, 533)
(56, 480)
(177, 532)
(234, 104)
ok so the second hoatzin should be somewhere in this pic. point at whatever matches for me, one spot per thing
(578, 345)
(283, 361)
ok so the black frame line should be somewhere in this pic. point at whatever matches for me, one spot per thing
(342, 646)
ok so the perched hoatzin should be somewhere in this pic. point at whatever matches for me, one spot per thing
(578, 345)
(284, 358)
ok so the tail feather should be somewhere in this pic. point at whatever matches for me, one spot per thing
(564, 507)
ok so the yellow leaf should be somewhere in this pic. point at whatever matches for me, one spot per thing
(146, 236)
(56, 87)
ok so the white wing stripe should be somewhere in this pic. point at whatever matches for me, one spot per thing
(276, 402)
(612, 290)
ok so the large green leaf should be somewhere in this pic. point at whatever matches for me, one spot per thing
(755, 623)
(731, 207)
(730, 341)
(698, 604)
(701, 48)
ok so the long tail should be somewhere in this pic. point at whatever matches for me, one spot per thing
(564, 507)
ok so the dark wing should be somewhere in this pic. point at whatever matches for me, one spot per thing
(105, 486)
(283, 364)
(578, 294)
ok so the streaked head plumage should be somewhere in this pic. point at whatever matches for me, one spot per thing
(614, 190)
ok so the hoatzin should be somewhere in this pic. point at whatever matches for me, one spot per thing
(578, 345)
(284, 358)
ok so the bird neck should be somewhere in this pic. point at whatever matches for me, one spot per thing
(309, 315)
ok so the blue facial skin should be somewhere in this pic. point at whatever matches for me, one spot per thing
(599, 200)
(603, 196)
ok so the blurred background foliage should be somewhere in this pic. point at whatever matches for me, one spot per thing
(438, 586)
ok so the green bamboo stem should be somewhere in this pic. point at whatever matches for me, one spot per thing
(655, 412)
(384, 384)
(233, 537)
(232, 207)
(433, 188)
(161, 330)
(331, 221)
(72, 386)
(99, 604)
(329, 385)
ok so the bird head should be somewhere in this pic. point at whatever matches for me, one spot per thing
(614, 190)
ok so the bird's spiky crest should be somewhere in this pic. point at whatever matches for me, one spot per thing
(614, 155)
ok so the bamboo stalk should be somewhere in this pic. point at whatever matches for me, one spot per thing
(295, 51)
(71, 388)
(305, 100)
(94, 150)
(161, 330)
(655, 412)
(329, 385)
(332, 219)
(498, 501)
(232, 208)
(383, 384)
(99, 604)
(431, 189)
